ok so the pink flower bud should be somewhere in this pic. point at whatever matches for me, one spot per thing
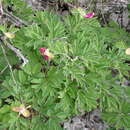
(46, 57)
(46, 54)
(89, 15)
(42, 51)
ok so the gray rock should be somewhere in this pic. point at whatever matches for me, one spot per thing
(115, 10)
(90, 121)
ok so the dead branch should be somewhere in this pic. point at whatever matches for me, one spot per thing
(17, 21)
(18, 53)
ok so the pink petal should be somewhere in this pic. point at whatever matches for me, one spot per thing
(89, 15)
(46, 57)
(42, 51)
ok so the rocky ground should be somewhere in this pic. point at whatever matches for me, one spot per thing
(106, 10)
(88, 121)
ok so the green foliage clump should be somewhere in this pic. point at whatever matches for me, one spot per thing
(19, 8)
(78, 79)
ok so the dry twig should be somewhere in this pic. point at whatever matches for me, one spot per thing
(11, 71)
(1, 10)
(18, 53)
(17, 21)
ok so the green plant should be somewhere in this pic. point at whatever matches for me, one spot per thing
(78, 79)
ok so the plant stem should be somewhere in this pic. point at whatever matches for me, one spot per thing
(10, 67)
